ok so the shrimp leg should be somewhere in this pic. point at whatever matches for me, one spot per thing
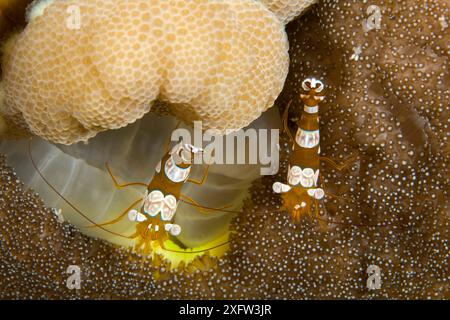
(332, 195)
(166, 148)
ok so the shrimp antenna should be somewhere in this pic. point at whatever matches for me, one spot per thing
(78, 211)
(67, 200)
(199, 251)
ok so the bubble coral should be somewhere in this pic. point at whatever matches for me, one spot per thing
(223, 62)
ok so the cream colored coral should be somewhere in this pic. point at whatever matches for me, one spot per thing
(220, 61)
(287, 10)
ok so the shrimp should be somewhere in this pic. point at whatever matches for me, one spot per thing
(155, 217)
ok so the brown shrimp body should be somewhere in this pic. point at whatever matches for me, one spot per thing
(302, 191)
(155, 218)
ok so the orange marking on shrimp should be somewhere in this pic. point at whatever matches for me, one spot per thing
(301, 193)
